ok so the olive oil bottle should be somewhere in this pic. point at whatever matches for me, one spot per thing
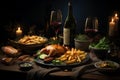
(69, 28)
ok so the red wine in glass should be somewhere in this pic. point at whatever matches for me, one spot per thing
(91, 26)
(56, 27)
(56, 21)
(91, 32)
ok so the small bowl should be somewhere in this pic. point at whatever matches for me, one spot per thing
(25, 66)
(82, 45)
(107, 66)
(100, 53)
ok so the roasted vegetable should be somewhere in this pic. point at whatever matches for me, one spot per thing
(42, 56)
(56, 61)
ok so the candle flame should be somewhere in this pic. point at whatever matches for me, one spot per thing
(112, 20)
(19, 28)
(116, 15)
(18, 31)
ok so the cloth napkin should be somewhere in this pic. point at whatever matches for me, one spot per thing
(86, 68)
(41, 73)
(78, 71)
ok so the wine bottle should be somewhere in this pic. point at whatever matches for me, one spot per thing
(69, 28)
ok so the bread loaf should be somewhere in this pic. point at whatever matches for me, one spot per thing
(9, 50)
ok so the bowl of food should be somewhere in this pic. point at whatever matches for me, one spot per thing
(25, 66)
(100, 53)
(107, 66)
(82, 42)
(29, 43)
(101, 48)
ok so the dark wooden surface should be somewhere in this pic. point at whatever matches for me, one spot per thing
(13, 72)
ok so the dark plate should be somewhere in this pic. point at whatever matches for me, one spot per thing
(41, 62)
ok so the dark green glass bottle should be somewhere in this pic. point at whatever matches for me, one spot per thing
(69, 28)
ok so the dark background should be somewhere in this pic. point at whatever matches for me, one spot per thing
(36, 12)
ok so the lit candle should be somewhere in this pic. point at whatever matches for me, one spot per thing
(111, 27)
(116, 18)
(19, 31)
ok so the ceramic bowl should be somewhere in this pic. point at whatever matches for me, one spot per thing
(82, 45)
(99, 53)
(25, 66)
(107, 66)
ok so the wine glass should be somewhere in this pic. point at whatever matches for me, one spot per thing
(91, 26)
(56, 21)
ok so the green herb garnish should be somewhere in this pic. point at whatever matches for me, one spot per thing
(102, 44)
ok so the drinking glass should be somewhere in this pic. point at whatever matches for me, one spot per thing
(56, 21)
(91, 26)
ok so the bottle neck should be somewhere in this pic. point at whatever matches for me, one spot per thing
(70, 10)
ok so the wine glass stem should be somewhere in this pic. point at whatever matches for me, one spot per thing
(56, 36)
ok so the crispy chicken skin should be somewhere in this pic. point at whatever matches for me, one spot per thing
(54, 50)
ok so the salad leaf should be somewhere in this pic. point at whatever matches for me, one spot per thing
(82, 37)
(102, 44)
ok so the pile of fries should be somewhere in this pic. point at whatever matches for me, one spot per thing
(32, 39)
(73, 56)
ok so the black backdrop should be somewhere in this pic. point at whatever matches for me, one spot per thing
(29, 12)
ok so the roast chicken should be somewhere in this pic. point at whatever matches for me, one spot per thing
(54, 50)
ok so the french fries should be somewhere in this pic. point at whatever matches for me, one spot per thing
(73, 56)
(34, 39)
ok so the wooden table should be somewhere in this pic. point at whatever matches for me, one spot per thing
(13, 72)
